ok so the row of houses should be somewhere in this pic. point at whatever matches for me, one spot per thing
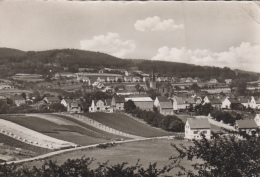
(194, 127)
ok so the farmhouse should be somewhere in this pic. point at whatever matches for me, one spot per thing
(144, 103)
(164, 105)
(51, 99)
(101, 106)
(246, 126)
(17, 100)
(194, 128)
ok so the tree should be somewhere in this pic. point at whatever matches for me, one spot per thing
(57, 107)
(203, 109)
(129, 106)
(23, 95)
(225, 156)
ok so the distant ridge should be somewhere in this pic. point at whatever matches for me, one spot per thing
(14, 61)
(8, 52)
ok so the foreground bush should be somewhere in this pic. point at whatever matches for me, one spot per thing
(80, 167)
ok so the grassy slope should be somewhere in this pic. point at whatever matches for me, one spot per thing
(103, 133)
(18, 144)
(73, 134)
(126, 124)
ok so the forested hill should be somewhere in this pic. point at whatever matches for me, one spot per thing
(7, 52)
(13, 61)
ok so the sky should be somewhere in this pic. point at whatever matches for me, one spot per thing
(222, 34)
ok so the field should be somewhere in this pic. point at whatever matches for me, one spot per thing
(12, 149)
(148, 151)
(127, 124)
(74, 133)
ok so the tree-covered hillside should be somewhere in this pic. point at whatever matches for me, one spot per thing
(13, 61)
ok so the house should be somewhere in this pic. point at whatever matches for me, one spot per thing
(215, 102)
(164, 105)
(189, 79)
(244, 101)
(51, 99)
(101, 106)
(213, 81)
(228, 81)
(195, 127)
(257, 120)
(64, 74)
(5, 86)
(226, 103)
(128, 78)
(246, 126)
(144, 103)
(196, 80)
(17, 100)
(101, 79)
(74, 107)
(136, 79)
(65, 102)
(179, 103)
(118, 102)
(252, 102)
(111, 79)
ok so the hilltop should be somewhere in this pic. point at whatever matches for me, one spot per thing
(14, 61)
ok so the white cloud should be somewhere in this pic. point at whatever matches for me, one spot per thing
(245, 56)
(156, 24)
(109, 43)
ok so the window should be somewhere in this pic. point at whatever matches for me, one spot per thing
(204, 132)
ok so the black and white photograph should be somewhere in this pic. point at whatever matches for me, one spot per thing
(129, 88)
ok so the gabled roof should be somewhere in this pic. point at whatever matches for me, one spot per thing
(140, 99)
(166, 105)
(233, 100)
(246, 124)
(189, 100)
(144, 105)
(244, 100)
(67, 100)
(162, 99)
(215, 101)
(198, 123)
(52, 98)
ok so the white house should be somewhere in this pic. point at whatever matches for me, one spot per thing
(194, 127)
(257, 120)
(101, 106)
(252, 102)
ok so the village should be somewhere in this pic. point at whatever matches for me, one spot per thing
(148, 92)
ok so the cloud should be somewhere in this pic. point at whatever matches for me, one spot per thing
(245, 56)
(156, 24)
(110, 44)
